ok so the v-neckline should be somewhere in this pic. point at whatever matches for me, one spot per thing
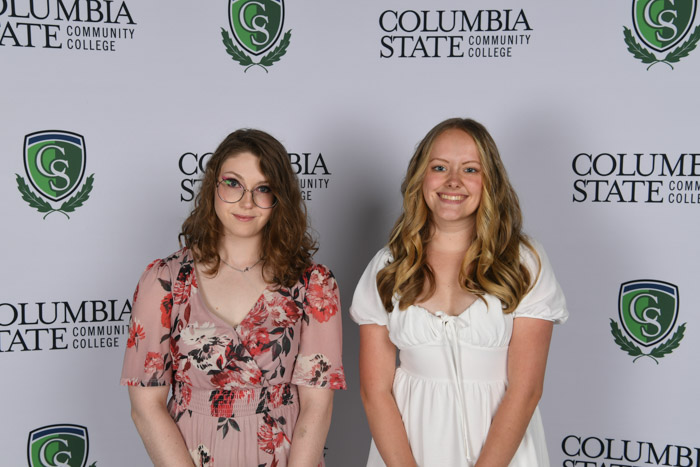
(216, 316)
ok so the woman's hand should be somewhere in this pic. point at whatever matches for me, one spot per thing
(159, 433)
(377, 368)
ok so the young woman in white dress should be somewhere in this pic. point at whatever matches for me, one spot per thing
(469, 302)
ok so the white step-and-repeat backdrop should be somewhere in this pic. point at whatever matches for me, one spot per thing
(594, 106)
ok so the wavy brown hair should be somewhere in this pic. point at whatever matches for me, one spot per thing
(491, 264)
(287, 246)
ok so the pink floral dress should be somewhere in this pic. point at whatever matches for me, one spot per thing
(234, 389)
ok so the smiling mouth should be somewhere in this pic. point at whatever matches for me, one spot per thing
(244, 218)
(451, 197)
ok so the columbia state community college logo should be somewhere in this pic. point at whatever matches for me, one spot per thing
(662, 26)
(648, 311)
(58, 445)
(256, 26)
(54, 162)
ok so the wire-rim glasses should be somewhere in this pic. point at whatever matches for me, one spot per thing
(232, 191)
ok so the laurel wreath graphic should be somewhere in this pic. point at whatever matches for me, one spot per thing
(662, 350)
(646, 56)
(247, 61)
(43, 206)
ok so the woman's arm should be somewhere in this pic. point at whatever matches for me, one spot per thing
(527, 359)
(377, 368)
(159, 433)
(315, 408)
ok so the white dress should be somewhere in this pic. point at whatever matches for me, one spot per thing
(452, 374)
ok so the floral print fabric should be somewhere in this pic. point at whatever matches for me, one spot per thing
(234, 389)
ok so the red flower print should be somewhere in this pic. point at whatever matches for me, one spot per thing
(337, 379)
(222, 403)
(153, 263)
(292, 312)
(180, 292)
(166, 309)
(270, 437)
(136, 333)
(255, 317)
(136, 293)
(253, 375)
(153, 363)
(181, 399)
(255, 340)
(130, 381)
(283, 311)
(227, 379)
(321, 296)
(314, 370)
(202, 457)
(279, 395)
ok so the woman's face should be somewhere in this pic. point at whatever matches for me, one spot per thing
(242, 219)
(453, 180)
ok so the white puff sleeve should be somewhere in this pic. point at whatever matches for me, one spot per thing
(366, 305)
(546, 299)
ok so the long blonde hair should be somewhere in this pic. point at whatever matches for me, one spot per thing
(492, 262)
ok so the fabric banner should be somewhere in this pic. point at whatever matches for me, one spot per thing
(111, 109)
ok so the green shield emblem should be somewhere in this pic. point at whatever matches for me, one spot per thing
(662, 24)
(54, 162)
(648, 310)
(58, 446)
(256, 24)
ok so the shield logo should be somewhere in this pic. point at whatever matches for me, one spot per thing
(58, 446)
(256, 24)
(648, 310)
(662, 24)
(55, 162)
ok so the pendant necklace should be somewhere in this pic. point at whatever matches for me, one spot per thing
(246, 269)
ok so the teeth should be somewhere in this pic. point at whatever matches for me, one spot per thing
(452, 198)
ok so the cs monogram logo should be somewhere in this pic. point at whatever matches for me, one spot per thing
(648, 312)
(661, 25)
(55, 164)
(256, 26)
(58, 446)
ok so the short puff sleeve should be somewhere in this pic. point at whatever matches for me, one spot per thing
(545, 300)
(367, 307)
(319, 361)
(147, 359)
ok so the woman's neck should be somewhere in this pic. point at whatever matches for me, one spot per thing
(450, 238)
(241, 252)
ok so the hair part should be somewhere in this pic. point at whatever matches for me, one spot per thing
(491, 264)
(287, 247)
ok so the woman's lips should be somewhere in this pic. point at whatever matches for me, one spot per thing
(243, 218)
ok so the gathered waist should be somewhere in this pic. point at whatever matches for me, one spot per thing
(475, 363)
(233, 403)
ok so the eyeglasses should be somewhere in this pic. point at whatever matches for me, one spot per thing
(231, 190)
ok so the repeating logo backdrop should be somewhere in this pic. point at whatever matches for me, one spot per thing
(112, 108)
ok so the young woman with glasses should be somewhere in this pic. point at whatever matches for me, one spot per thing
(469, 303)
(241, 324)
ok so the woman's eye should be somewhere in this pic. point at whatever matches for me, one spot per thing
(263, 189)
(231, 182)
(439, 168)
(471, 170)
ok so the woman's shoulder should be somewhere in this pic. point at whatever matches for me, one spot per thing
(317, 274)
(381, 258)
(169, 265)
(531, 253)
